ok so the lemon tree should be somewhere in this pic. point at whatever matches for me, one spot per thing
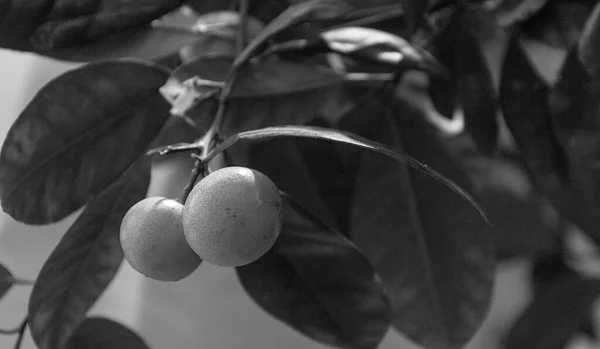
(369, 156)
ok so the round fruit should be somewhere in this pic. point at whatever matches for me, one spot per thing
(233, 216)
(153, 242)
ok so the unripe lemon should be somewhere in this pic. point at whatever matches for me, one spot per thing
(153, 242)
(233, 216)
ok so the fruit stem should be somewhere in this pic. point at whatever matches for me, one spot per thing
(200, 170)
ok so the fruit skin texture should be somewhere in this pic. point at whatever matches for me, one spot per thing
(153, 242)
(233, 216)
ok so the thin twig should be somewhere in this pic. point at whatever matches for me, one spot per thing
(21, 334)
(16, 281)
(242, 32)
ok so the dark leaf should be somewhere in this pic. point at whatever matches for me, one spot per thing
(558, 24)
(549, 270)
(55, 156)
(6, 280)
(205, 6)
(316, 281)
(345, 138)
(510, 12)
(523, 97)
(302, 12)
(48, 25)
(443, 90)
(555, 315)
(144, 42)
(574, 106)
(430, 247)
(264, 78)
(101, 333)
(279, 159)
(589, 44)
(264, 10)
(476, 93)
(523, 224)
(268, 93)
(415, 10)
(84, 262)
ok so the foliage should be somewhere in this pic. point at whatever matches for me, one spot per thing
(392, 217)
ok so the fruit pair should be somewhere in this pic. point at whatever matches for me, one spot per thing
(231, 218)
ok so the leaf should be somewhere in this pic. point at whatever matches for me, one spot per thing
(317, 282)
(48, 25)
(444, 90)
(101, 333)
(369, 46)
(589, 43)
(509, 12)
(574, 104)
(430, 247)
(6, 280)
(306, 11)
(522, 226)
(558, 314)
(476, 93)
(84, 262)
(144, 42)
(415, 10)
(263, 10)
(55, 156)
(340, 137)
(263, 78)
(523, 97)
(205, 6)
(278, 159)
(267, 93)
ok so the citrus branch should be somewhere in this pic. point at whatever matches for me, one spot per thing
(16, 281)
(21, 333)
(242, 35)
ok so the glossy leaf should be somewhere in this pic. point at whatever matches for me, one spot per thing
(523, 97)
(55, 156)
(477, 93)
(48, 25)
(6, 280)
(589, 43)
(101, 333)
(367, 45)
(558, 313)
(431, 248)
(84, 262)
(316, 281)
(345, 138)
(302, 12)
(216, 33)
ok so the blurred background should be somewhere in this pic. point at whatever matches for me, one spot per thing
(209, 309)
